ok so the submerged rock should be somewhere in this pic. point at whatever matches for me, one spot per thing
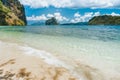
(12, 13)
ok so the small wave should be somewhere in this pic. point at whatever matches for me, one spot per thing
(49, 58)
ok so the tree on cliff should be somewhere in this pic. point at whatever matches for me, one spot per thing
(51, 21)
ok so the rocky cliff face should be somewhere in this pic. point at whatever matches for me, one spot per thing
(12, 13)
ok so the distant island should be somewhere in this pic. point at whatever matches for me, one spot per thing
(105, 20)
(78, 23)
(12, 13)
(52, 21)
(97, 20)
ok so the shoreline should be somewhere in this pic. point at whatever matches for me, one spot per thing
(19, 57)
(23, 66)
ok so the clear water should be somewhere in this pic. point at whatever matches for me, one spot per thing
(97, 46)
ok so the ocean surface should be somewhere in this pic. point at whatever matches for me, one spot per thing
(96, 46)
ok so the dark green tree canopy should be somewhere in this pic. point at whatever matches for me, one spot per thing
(105, 20)
(51, 21)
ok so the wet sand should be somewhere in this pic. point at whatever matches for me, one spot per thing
(14, 65)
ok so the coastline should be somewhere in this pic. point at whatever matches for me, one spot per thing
(53, 41)
(23, 63)
(16, 66)
(40, 65)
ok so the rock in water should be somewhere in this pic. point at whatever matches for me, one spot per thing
(51, 21)
(12, 13)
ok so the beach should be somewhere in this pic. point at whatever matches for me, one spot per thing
(60, 53)
(16, 65)
(59, 40)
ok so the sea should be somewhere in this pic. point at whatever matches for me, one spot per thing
(91, 51)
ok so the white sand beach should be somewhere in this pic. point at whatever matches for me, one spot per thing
(30, 56)
(16, 65)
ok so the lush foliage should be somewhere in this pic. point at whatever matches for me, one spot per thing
(51, 21)
(105, 20)
(8, 17)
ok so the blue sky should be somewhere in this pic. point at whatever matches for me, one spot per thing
(69, 10)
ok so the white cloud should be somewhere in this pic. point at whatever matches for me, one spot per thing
(77, 17)
(57, 15)
(33, 17)
(47, 3)
(50, 15)
(112, 14)
(115, 14)
(84, 18)
(96, 14)
(77, 14)
(72, 3)
(87, 16)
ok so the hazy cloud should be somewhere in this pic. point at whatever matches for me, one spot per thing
(77, 17)
(115, 14)
(84, 18)
(72, 3)
(33, 17)
(43, 17)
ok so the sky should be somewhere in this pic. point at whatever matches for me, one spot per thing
(67, 11)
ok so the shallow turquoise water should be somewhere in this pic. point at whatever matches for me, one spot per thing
(98, 46)
(97, 40)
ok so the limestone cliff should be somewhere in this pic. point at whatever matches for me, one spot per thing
(12, 13)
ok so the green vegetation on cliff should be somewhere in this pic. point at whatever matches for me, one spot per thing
(105, 20)
(8, 16)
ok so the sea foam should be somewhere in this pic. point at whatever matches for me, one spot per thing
(49, 59)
